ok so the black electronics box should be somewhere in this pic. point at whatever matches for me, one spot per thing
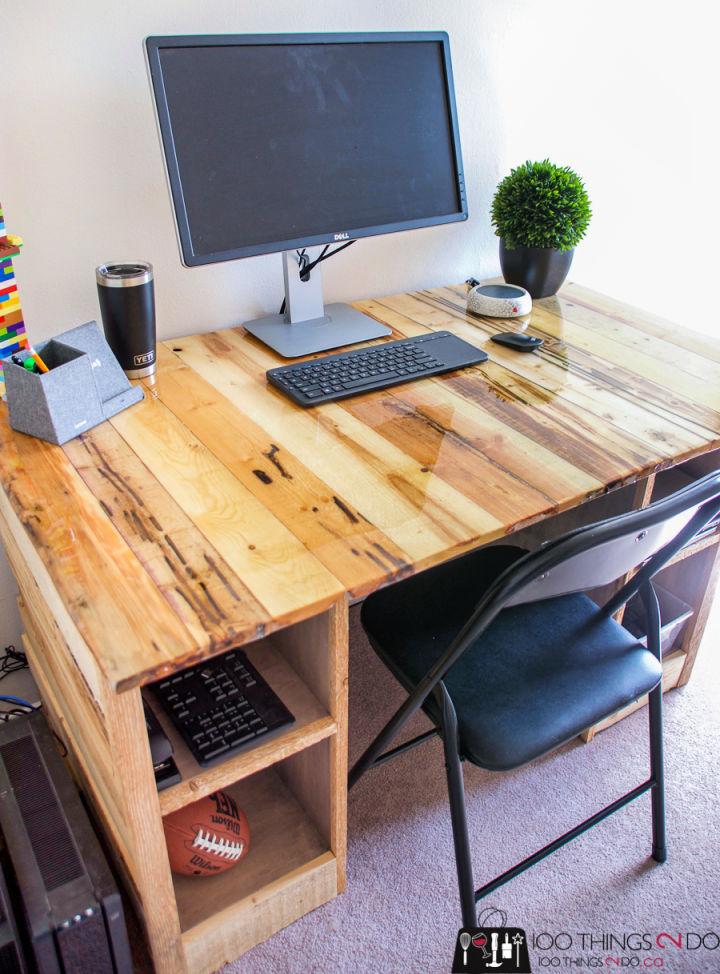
(64, 896)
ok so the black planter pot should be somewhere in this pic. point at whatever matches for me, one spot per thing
(540, 270)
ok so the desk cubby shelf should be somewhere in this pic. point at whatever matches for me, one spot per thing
(313, 723)
(290, 862)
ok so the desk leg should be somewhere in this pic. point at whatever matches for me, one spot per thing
(137, 792)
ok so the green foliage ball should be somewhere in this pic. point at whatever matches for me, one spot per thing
(541, 205)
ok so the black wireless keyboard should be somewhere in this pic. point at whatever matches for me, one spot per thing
(366, 369)
(221, 706)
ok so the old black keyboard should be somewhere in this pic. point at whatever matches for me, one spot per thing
(221, 706)
(365, 369)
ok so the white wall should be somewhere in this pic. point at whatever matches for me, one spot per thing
(625, 92)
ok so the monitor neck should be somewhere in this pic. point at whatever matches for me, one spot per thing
(307, 326)
(303, 299)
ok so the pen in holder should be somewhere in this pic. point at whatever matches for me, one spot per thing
(83, 386)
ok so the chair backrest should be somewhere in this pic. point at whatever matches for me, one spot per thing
(600, 553)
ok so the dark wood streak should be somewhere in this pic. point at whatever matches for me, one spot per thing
(178, 554)
(105, 470)
(390, 573)
(215, 569)
(195, 605)
(399, 563)
(431, 510)
(272, 457)
(346, 510)
(211, 600)
(138, 525)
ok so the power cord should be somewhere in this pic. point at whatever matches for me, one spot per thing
(11, 661)
(307, 265)
(19, 707)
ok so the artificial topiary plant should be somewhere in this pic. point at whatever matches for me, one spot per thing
(541, 205)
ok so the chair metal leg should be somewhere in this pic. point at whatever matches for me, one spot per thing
(456, 795)
(655, 711)
(657, 773)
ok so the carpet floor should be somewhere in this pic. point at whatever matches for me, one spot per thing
(400, 911)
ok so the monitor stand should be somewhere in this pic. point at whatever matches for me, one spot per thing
(307, 325)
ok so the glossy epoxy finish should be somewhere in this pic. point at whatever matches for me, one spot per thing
(217, 510)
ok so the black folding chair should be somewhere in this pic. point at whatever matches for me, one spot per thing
(510, 660)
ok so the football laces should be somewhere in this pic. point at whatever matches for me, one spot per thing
(207, 841)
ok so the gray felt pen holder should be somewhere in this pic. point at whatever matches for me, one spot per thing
(85, 385)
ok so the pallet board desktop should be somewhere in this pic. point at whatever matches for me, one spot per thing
(216, 514)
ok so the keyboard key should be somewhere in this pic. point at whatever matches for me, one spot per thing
(366, 380)
(241, 738)
(220, 749)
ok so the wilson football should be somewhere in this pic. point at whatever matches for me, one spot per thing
(207, 837)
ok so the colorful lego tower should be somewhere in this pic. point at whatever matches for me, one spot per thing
(12, 327)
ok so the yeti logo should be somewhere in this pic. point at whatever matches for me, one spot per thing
(342, 236)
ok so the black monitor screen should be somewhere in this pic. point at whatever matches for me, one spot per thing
(283, 142)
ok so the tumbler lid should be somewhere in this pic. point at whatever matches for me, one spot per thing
(124, 274)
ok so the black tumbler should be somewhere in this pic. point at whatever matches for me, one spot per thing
(127, 306)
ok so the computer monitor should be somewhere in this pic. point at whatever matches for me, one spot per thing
(288, 142)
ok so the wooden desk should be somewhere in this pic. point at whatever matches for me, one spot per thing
(217, 513)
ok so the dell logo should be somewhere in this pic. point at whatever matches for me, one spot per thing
(342, 236)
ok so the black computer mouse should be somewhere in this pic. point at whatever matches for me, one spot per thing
(517, 340)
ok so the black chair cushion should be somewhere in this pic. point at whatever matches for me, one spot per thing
(537, 677)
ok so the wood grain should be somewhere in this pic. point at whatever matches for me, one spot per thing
(200, 587)
(228, 512)
(325, 521)
(281, 573)
(420, 513)
(282, 838)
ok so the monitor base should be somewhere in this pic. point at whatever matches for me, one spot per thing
(340, 325)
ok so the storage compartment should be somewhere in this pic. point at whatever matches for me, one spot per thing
(283, 838)
(674, 613)
(291, 866)
(313, 722)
